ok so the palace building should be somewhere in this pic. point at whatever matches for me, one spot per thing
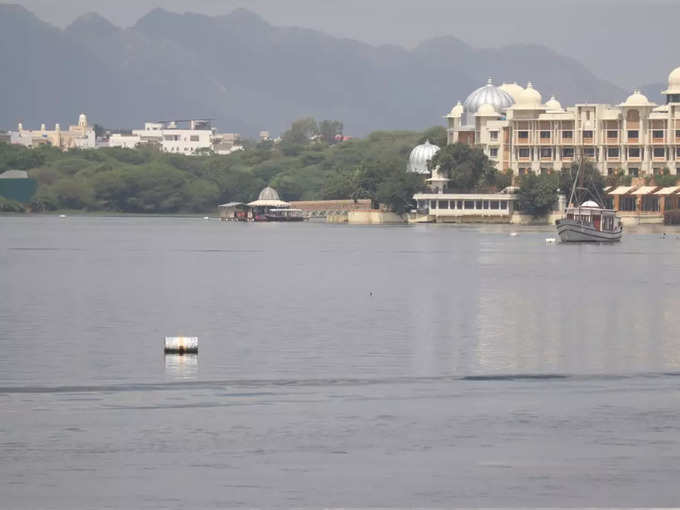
(520, 132)
(80, 136)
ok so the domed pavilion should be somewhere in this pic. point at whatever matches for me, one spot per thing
(420, 156)
(268, 199)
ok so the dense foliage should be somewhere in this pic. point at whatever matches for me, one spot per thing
(469, 169)
(310, 163)
(590, 184)
(537, 193)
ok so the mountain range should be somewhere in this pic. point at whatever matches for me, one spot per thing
(250, 75)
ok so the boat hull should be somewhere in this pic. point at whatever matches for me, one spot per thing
(284, 218)
(572, 232)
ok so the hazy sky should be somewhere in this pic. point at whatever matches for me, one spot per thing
(629, 42)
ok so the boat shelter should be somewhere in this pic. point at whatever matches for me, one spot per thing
(268, 199)
(622, 199)
(669, 199)
(647, 201)
(234, 211)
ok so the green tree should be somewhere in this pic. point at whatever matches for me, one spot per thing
(339, 186)
(397, 191)
(436, 135)
(329, 129)
(618, 178)
(537, 193)
(468, 168)
(665, 178)
(301, 132)
(72, 193)
(590, 185)
(201, 195)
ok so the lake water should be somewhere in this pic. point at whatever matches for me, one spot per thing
(339, 365)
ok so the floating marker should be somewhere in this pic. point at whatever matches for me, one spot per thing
(181, 345)
(550, 240)
(205, 218)
(513, 234)
(62, 216)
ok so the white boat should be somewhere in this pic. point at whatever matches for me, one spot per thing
(589, 223)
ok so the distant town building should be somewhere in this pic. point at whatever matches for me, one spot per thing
(519, 132)
(187, 137)
(80, 136)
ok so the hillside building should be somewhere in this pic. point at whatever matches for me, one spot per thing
(79, 136)
(188, 137)
(521, 133)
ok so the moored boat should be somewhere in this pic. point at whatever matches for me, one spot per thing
(589, 223)
(284, 214)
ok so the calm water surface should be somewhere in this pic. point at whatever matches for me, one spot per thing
(377, 366)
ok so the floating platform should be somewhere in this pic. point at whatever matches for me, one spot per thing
(180, 345)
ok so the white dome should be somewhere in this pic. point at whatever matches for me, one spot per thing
(419, 157)
(530, 97)
(673, 82)
(456, 111)
(488, 94)
(589, 203)
(513, 89)
(637, 99)
(553, 105)
(486, 110)
(82, 120)
(268, 194)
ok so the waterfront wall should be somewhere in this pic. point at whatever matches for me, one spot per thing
(373, 217)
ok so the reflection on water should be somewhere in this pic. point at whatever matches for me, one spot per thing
(181, 366)
(373, 360)
(314, 301)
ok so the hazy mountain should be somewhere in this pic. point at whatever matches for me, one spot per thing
(250, 75)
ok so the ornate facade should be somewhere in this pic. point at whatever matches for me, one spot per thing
(519, 132)
(80, 136)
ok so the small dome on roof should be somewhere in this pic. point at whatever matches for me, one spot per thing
(673, 82)
(457, 110)
(513, 89)
(589, 203)
(553, 104)
(530, 97)
(420, 156)
(486, 110)
(268, 194)
(637, 98)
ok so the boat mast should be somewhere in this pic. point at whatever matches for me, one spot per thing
(573, 186)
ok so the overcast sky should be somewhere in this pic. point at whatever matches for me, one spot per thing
(629, 42)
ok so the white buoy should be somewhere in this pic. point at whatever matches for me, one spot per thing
(62, 216)
(513, 234)
(550, 240)
(181, 345)
(205, 218)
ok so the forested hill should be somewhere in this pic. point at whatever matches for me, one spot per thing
(250, 75)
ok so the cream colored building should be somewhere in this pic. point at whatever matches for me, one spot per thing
(520, 132)
(194, 138)
(80, 136)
